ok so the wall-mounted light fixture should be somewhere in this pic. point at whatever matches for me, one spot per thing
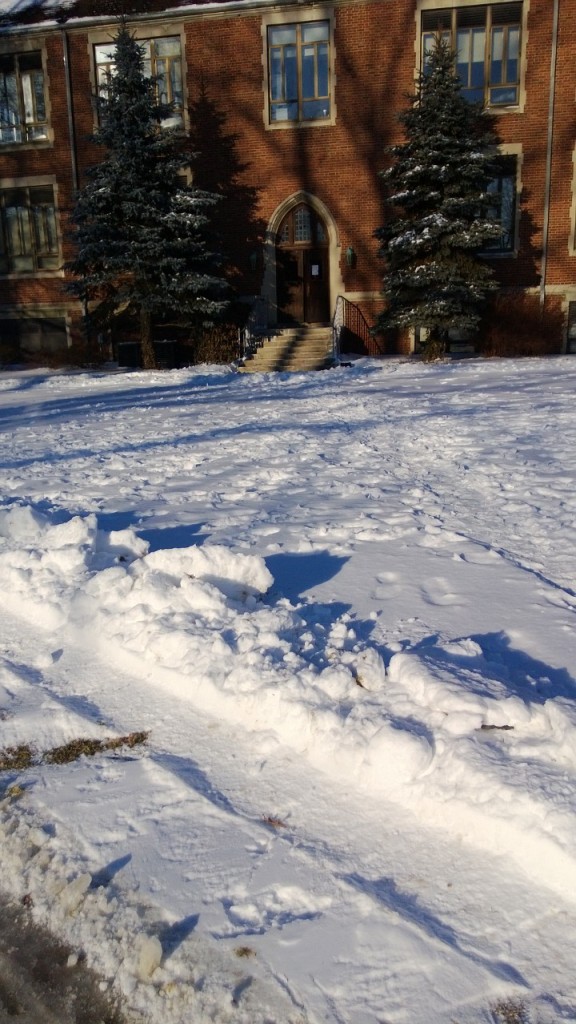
(350, 257)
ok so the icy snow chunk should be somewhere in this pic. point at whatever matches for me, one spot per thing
(71, 895)
(76, 532)
(123, 544)
(337, 682)
(149, 950)
(21, 523)
(370, 669)
(236, 575)
(465, 648)
(395, 757)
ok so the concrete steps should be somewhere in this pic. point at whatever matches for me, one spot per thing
(292, 349)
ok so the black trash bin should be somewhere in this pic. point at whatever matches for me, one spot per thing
(167, 354)
(129, 354)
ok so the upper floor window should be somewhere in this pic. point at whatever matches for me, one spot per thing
(299, 71)
(162, 62)
(486, 39)
(28, 231)
(503, 187)
(22, 99)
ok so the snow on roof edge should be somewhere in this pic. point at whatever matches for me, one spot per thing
(9, 23)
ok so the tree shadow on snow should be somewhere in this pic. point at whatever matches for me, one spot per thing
(105, 875)
(174, 935)
(295, 573)
(519, 673)
(160, 538)
(191, 774)
(409, 909)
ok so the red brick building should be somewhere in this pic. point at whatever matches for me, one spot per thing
(309, 93)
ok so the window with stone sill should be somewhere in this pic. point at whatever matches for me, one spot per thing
(503, 187)
(162, 62)
(22, 98)
(299, 72)
(486, 40)
(28, 230)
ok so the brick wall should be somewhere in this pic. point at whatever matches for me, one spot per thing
(337, 163)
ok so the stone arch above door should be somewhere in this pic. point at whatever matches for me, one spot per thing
(269, 288)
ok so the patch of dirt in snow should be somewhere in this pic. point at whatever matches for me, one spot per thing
(162, 973)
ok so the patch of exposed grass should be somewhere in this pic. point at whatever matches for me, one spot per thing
(244, 952)
(274, 822)
(24, 756)
(89, 747)
(71, 752)
(17, 759)
(510, 1011)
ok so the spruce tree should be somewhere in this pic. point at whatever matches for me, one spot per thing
(140, 231)
(437, 201)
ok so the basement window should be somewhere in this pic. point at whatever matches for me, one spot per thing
(34, 334)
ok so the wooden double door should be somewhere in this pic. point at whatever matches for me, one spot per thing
(302, 268)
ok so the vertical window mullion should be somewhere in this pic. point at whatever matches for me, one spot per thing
(26, 220)
(39, 233)
(21, 105)
(487, 54)
(4, 256)
(505, 54)
(299, 71)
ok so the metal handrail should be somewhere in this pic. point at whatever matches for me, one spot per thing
(349, 318)
(255, 329)
(337, 325)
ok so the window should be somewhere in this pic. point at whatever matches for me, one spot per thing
(299, 71)
(503, 188)
(28, 236)
(162, 61)
(22, 100)
(34, 334)
(486, 40)
(301, 227)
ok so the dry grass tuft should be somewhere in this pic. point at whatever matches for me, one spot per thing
(89, 747)
(244, 952)
(24, 756)
(17, 758)
(510, 1011)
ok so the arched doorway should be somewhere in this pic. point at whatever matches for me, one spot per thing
(302, 267)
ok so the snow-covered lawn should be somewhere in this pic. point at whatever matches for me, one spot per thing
(342, 606)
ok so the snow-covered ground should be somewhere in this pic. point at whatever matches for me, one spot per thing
(342, 605)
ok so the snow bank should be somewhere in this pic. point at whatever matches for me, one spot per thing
(438, 732)
(128, 937)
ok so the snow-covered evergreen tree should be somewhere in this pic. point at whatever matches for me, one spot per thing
(140, 231)
(437, 201)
